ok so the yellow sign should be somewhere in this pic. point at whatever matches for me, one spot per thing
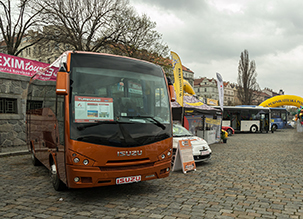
(212, 121)
(195, 104)
(189, 111)
(178, 75)
(212, 102)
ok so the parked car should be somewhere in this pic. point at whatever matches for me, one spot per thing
(201, 150)
(229, 130)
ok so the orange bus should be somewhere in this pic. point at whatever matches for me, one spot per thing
(104, 120)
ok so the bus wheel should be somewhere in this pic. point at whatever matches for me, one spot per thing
(35, 161)
(253, 129)
(57, 183)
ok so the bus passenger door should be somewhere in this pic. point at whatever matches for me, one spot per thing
(60, 150)
(235, 121)
(266, 122)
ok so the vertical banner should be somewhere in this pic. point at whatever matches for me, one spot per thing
(178, 75)
(220, 89)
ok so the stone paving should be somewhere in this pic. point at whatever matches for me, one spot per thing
(252, 176)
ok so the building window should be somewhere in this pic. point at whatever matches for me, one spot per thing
(8, 105)
(31, 104)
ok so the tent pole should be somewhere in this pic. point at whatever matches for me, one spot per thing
(182, 115)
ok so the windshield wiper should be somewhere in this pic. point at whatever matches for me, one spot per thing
(97, 122)
(182, 135)
(156, 122)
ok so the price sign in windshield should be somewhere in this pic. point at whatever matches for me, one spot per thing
(90, 109)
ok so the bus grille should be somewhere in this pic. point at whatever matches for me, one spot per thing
(127, 167)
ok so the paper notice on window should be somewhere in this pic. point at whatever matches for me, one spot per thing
(92, 109)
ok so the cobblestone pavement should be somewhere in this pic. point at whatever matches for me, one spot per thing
(252, 176)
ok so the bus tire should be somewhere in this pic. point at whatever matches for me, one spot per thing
(253, 129)
(57, 183)
(35, 161)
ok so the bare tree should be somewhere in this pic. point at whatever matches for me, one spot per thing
(247, 80)
(15, 22)
(86, 25)
(139, 39)
(102, 26)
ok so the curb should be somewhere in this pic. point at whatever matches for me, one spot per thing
(15, 153)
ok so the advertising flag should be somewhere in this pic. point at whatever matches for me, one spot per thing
(220, 89)
(178, 75)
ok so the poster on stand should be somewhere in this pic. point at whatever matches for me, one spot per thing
(184, 159)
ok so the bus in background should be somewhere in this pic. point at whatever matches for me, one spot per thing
(106, 120)
(247, 118)
(278, 117)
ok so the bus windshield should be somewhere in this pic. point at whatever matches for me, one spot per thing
(129, 97)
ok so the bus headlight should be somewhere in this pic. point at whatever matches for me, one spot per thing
(165, 154)
(76, 160)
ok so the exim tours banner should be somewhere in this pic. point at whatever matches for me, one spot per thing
(21, 66)
(178, 75)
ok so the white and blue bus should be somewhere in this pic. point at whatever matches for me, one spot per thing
(247, 118)
(278, 117)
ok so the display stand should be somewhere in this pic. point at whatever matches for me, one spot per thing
(184, 159)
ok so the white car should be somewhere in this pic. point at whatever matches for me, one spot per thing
(201, 150)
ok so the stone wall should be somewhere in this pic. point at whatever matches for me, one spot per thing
(12, 126)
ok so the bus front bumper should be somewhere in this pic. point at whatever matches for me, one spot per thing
(85, 177)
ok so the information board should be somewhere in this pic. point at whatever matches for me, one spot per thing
(184, 158)
(92, 109)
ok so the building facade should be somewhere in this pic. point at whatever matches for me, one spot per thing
(188, 75)
(206, 88)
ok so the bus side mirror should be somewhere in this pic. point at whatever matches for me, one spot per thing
(171, 93)
(62, 83)
(171, 90)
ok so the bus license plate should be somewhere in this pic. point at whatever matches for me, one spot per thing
(128, 179)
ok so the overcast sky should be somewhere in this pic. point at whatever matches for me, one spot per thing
(209, 36)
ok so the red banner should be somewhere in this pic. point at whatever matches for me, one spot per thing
(21, 66)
